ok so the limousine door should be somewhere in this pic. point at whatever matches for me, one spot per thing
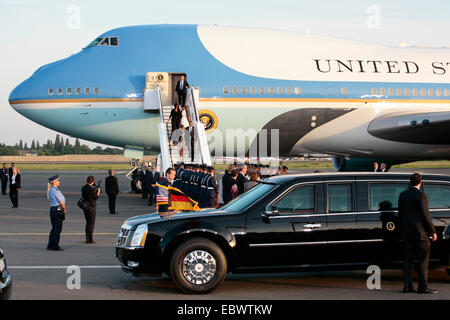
(378, 235)
(293, 237)
(341, 220)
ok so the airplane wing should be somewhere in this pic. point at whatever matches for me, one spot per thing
(420, 127)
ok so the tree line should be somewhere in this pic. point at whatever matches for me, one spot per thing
(56, 148)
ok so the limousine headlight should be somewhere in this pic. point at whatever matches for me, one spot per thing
(139, 236)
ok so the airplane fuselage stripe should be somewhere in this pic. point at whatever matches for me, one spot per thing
(234, 100)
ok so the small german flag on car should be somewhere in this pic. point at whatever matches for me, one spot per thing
(175, 199)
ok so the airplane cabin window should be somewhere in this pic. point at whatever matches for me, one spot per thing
(225, 90)
(253, 90)
(96, 90)
(407, 92)
(69, 91)
(244, 90)
(374, 91)
(87, 90)
(114, 41)
(431, 92)
(59, 91)
(51, 92)
(288, 90)
(279, 90)
(447, 92)
(297, 90)
(399, 92)
(438, 92)
(262, 90)
(235, 90)
(270, 90)
(423, 92)
(415, 92)
(390, 92)
(77, 91)
(344, 91)
(382, 91)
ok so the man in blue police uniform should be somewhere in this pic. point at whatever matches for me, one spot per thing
(57, 212)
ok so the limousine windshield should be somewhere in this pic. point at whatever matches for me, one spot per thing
(250, 197)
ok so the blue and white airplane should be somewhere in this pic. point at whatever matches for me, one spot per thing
(347, 99)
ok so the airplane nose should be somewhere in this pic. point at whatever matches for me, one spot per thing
(19, 94)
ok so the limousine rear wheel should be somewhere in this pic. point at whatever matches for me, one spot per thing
(198, 266)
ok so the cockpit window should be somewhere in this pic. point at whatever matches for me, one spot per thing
(106, 41)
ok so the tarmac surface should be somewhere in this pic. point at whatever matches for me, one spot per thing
(43, 275)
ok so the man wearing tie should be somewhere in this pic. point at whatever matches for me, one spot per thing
(181, 90)
(192, 139)
(153, 180)
(4, 178)
(112, 190)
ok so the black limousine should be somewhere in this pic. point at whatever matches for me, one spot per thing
(5, 279)
(285, 223)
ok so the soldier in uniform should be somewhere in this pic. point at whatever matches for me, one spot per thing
(187, 174)
(213, 188)
(4, 178)
(198, 183)
(203, 191)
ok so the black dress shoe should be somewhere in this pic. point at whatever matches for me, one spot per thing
(90, 242)
(428, 291)
(58, 249)
(408, 290)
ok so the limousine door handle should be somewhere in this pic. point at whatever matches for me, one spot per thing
(312, 226)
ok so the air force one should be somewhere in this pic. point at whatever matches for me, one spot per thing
(347, 99)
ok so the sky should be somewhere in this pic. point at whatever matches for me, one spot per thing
(34, 33)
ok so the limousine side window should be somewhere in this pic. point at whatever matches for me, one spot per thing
(384, 196)
(438, 195)
(340, 198)
(299, 200)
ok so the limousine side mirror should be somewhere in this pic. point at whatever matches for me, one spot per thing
(270, 211)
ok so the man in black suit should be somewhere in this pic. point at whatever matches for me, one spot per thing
(241, 180)
(10, 170)
(4, 178)
(226, 184)
(144, 182)
(153, 180)
(181, 90)
(416, 226)
(112, 190)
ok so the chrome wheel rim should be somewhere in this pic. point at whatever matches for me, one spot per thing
(199, 267)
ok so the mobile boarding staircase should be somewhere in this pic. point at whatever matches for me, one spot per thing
(169, 149)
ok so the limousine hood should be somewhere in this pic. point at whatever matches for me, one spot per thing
(155, 217)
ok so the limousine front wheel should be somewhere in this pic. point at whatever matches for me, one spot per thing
(198, 266)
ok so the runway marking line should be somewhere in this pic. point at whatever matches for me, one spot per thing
(63, 234)
(64, 267)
